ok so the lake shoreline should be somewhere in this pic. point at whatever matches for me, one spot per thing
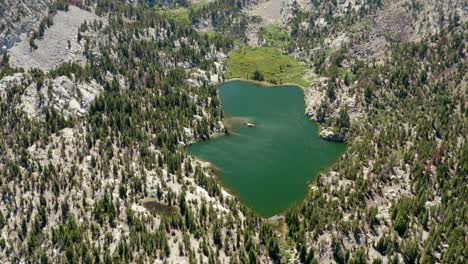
(264, 101)
(269, 84)
(265, 83)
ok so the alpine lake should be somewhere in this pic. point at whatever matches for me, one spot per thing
(272, 151)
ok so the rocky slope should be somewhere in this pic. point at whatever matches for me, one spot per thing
(58, 45)
(268, 13)
(384, 64)
(18, 18)
(63, 94)
(353, 33)
(92, 162)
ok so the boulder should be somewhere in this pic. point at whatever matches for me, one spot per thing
(329, 134)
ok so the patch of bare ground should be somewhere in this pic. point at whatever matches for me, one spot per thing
(270, 13)
(59, 44)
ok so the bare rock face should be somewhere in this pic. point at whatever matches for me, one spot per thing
(16, 80)
(313, 98)
(328, 133)
(59, 44)
(316, 100)
(63, 94)
(270, 13)
(402, 21)
(340, 8)
(390, 21)
(18, 17)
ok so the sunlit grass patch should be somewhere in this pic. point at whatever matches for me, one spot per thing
(275, 67)
(180, 15)
(275, 36)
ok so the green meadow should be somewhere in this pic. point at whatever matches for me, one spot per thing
(275, 67)
(274, 36)
(178, 14)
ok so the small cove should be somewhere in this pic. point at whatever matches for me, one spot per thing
(267, 166)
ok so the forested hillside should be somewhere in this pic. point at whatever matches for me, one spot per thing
(114, 184)
(392, 80)
(93, 164)
(398, 193)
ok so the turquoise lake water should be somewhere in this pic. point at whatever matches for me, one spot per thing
(267, 166)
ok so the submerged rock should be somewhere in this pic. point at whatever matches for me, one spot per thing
(327, 133)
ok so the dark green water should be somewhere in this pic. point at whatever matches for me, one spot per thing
(267, 166)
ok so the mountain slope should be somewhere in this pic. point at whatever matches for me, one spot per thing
(92, 132)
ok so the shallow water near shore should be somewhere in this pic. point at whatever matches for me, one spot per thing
(267, 166)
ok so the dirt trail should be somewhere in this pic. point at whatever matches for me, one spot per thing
(270, 12)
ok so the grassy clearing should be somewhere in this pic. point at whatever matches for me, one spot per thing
(275, 36)
(211, 34)
(360, 26)
(275, 67)
(180, 15)
(197, 6)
